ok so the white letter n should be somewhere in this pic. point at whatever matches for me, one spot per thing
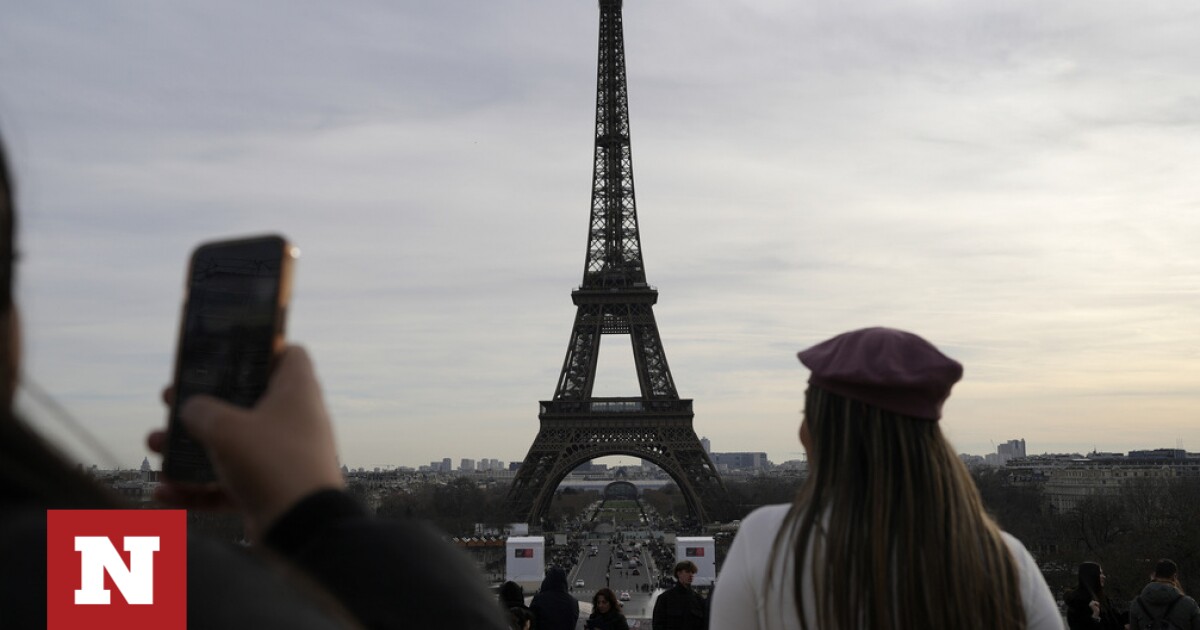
(136, 581)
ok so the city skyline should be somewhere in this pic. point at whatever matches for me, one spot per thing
(1003, 453)
(983, 176)
(455, 463)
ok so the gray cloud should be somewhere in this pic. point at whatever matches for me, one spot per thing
(1014, 182)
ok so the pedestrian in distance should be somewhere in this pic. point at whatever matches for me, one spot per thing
(888, 531)
(553, 607)
(1162, 604)
(681, 607)
(606, 612)
(1087, 605)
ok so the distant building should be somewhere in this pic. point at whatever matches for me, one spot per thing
(741, 461)
(1067, 487)
(1069, 479)
(972, 461)
(798, 465)
(706, 444)
(446, 466)
(1012, 448)
(1036, 469)
(467, 465)
(1009, 450)
(649, 468)
(148, 474)
(1159, 453)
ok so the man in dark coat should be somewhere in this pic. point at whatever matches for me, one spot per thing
(680, 607)
(1163, 599)
(553, 607)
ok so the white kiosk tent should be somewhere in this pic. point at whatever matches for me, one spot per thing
(702, 551)
(525, 561)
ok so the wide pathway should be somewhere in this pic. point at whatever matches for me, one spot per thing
(602, 570)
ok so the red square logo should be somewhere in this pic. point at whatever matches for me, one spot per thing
(116, 569)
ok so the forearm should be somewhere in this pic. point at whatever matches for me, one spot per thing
(384, 572)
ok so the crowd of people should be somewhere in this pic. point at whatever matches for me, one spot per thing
(1162, 604)
(888, 531)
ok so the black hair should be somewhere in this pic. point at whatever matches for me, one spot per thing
(511, 594)
(1166, 569)
(1089, 580)
(686, 565)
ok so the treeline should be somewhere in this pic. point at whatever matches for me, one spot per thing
(1126, 532)
(455, 507)
(741, 497)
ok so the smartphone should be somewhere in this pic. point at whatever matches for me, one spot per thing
(230, 335)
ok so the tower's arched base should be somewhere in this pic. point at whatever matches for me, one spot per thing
(572, 434)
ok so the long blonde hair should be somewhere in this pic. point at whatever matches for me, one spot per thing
(899, 536)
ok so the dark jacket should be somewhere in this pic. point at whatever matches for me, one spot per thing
(1079, 613)
(386, 572)
(1155, 599)
(611, 620)
(553, 607)
(325, 564)
(680, 608)
(227, 586)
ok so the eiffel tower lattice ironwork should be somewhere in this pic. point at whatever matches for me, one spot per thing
(614, 298)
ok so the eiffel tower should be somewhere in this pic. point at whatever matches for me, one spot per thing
(614, 299)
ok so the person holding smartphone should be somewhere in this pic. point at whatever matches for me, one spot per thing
(319, 560)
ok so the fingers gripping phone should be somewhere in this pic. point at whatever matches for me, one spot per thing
(230, 335)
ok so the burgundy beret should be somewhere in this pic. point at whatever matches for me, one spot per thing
(888, 368)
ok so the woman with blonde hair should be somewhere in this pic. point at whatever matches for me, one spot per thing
(888, 532)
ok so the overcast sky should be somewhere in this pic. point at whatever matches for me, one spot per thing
(1015, 181)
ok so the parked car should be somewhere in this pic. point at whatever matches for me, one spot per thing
(579, 584)
(624, 596)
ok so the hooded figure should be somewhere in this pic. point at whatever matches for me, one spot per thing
(512, 595)
(553, 607)
(1163, 601)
